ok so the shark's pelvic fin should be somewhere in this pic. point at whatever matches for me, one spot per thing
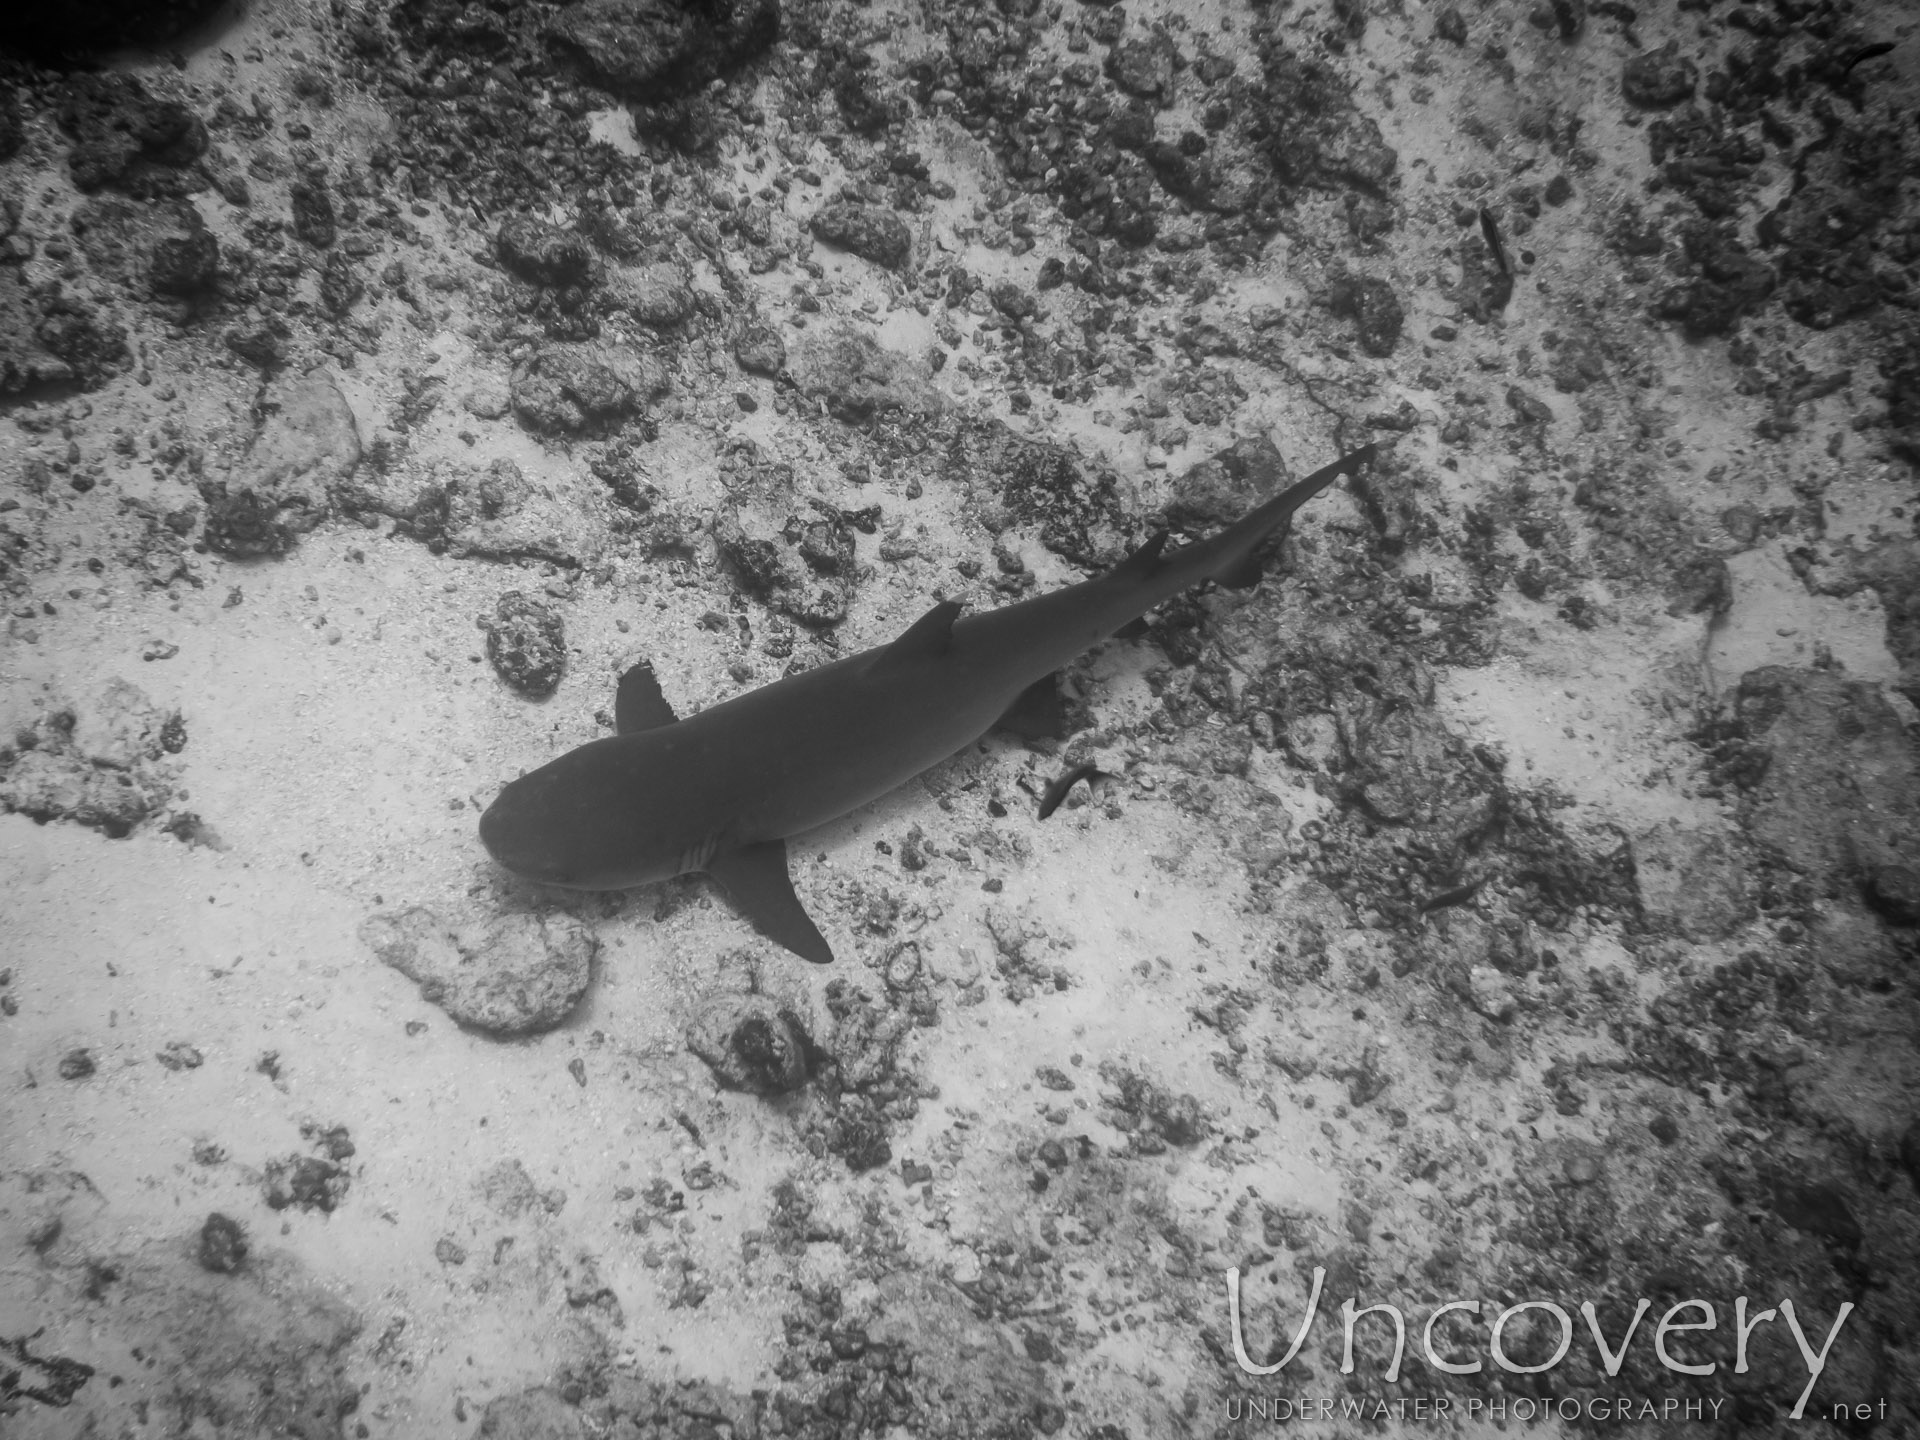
(757, 879)
(639, 705)
(1039, 714)
(928, 638)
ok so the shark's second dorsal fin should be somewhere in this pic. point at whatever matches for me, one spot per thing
(1144, 561)
(639, 705)
(928, 638)
(757, 879)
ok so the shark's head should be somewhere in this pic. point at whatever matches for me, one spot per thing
(518, 832)
(564, 825)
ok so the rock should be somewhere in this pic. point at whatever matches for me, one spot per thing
(760, 350)
(864, 230)
(660, 295)
(1658, 79)
(754, 1043)
(241, 525)
(858, 378)
(520, 975)
(46, 786)
(592, 388)
(223, 1245)
(313, 218)
(54, 33)
(489, 399)
(1841, 793)
(305, 451)
(1895, 892)
(527, 644)
(184, 264)
(499, 514)
(126, 139)
(1143, 67)
(807, 572)
(1225, 486)
(1692, 880)
(1491, 993)
(1376, 311)
(538, 1414)
(121, 728)
(542, 253)
(652, 51)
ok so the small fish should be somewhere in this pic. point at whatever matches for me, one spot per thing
(724, 790)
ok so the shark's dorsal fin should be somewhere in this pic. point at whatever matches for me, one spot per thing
(639, 705)
(928, 638)
(757, 879)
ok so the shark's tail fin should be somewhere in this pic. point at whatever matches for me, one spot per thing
(1240, 544)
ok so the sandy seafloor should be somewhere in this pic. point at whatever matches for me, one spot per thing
(1510, 900)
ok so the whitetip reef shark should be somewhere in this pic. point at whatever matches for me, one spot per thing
(724, 790)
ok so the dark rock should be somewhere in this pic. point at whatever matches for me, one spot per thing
(760, 350)
(1144, 67)
(305, 1182)
(124, 138)
(265, 342)
(543, 253)
(313, 218)
(656, 50)
(340, 284)
(75, 334)
(1314, 134)
(76, 1064)
(1374, 308)
(1818, 1208)
(876, 235)
(1831, 741)
(223, 1245)
(753, 1043)
(184, 264)
(527, 645)
(1659, 79)
(1895, 892)
(243, 526)
(1449, 25)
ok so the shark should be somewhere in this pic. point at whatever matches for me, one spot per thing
(723, 791)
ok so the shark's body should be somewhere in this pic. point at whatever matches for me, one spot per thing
(722, 791)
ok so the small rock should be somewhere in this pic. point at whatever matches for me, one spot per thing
(1490, 992)
(223, 1245)
(1895, 892)
(1375, 309)
(542, 253)
(1658, 79)
(871, 233)
(527, 644)
(753, 1043)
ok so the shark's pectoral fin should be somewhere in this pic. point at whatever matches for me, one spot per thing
(639, 705)
(928, 638)
(1039, 714)
(757, 879)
